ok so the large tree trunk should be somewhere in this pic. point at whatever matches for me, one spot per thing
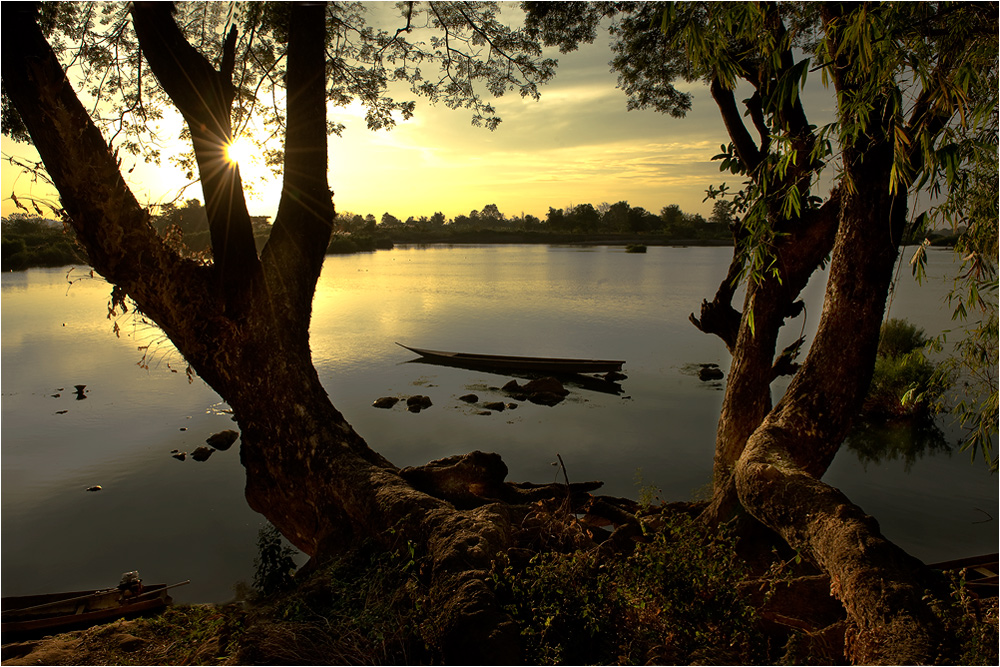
(777, 474)
(242, 323)
(769, 461)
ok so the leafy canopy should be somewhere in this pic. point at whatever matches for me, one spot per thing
(453, 53)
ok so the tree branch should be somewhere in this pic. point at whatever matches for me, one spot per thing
(747, 150)
(109, 222)
(293, 256)
(756, 110)
(204, 97)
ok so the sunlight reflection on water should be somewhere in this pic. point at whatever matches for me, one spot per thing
(177, 520)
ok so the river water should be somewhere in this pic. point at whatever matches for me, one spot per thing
(174, 520)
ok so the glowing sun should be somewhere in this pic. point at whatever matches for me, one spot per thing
(240, 151)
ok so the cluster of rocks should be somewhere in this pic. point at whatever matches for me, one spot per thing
(413, 403)
(543, 391)
(489, 406)
(220, 441)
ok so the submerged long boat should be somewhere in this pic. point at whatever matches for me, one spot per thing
(57, 612)
(525, 364)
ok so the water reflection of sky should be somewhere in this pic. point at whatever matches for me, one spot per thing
(177, 520)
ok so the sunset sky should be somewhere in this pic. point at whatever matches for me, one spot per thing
(577, 145)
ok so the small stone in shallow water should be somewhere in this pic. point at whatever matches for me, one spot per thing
(418, 403)
(496, 405)
(223, 440)
(469, 398)
(385, 402)
(96, 487)
(202, 453)
(710, 372)
(180, 456)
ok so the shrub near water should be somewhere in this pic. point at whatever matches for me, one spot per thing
(672, 601)
(904, 382)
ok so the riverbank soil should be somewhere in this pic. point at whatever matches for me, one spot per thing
(660, 588)
(182, 635)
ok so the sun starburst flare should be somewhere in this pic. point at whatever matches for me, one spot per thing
(239, 151)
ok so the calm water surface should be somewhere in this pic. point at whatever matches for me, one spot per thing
(176, 520)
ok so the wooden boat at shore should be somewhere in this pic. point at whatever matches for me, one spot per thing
(524, 364)
(58, 612)
(982, 574)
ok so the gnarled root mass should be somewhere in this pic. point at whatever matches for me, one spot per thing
(498, 549)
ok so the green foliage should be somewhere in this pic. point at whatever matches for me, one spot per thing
(899, 337)
(672, 601)
(29, 241)
(455, 54)
(904, 383)
(274, 564)
(972, 621)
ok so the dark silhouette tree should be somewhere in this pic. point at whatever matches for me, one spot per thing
(242, 320)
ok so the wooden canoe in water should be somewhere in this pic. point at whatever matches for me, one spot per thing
(525, 364)
(58, 612)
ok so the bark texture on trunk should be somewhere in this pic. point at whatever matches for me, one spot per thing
(243, 324)
(769, 461)
(777, 474)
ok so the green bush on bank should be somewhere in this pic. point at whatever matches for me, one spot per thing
(674, 600)
(904, 382)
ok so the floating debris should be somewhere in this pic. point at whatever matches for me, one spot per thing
(96, 487)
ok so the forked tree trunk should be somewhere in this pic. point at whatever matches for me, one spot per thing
(243, 323)
(769, 461)
(778, 473)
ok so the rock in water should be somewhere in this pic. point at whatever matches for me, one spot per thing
(96, 487)
(385, 402)
(469, 398)
(202, 453)
(223, 440)
(418, 403)
(710, 372)
(548, 398)
(547, 385)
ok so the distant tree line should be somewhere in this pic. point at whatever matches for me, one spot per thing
(186, 227)
(30, 240)
(583, 220)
